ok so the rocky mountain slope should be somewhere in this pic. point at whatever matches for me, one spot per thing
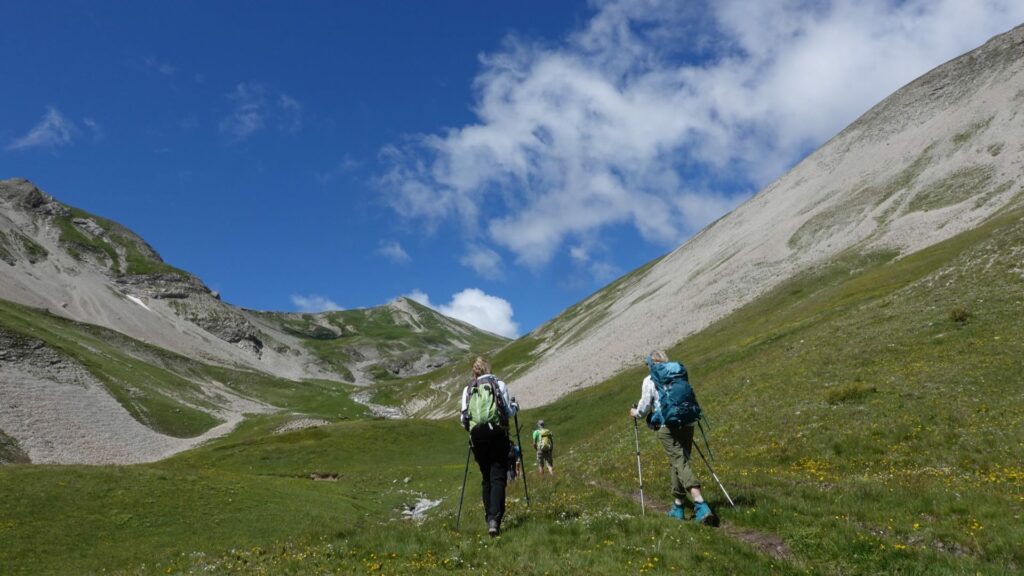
(90, 269)
(65, 273)
(942, 155)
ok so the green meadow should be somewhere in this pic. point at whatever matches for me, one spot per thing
(867, 418)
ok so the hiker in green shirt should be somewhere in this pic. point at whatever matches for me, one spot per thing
(677, 441)
(544, 444)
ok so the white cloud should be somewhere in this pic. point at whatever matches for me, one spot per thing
(604, 272)
(635, 117)
(420, 296)
(95, 128)
(579, 254)
(475, 307)
(314, 303)
(483, 260)
(160, 67)
(346, 165)
(292, 113)
(254, 108)
(249, 114)
(51, 131)
(393, 251)
(599, 270)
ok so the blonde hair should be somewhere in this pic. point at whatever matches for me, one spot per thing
(659, 356)
(481, 366)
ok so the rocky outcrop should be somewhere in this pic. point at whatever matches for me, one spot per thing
(214, 316)
(18, 349)
(25, 195)
(162, 286)
(89, 226)
(32, 356)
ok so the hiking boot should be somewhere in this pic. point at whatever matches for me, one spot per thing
(704, 515)
(677, 512)
(492, 527)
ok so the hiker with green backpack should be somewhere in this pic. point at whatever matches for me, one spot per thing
(672, 411)
(544, 444)
(485, 413)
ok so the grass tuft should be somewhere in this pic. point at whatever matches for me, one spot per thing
(849, 393)
(959, 314)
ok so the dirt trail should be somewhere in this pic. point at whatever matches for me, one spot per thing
(765, 542)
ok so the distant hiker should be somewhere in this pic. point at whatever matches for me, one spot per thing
(515, 460)
(666, 391)
(485, 412)
(544, 444)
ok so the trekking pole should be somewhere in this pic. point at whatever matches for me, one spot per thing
(700, 424)
(713, 475)
(519, 440)
(465, 475)
(639, 470)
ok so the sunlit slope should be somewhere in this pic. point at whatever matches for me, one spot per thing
(79, 393)
(938, 157)
(374, 345)
(110, 355)
(436, 394)
(865, 423)
(90, 269)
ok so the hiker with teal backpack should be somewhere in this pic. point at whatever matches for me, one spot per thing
(515, 461)
(485, 414)
(672, 411)
(544, 444)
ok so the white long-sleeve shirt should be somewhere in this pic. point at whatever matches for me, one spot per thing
(510, 410)
(648, 398)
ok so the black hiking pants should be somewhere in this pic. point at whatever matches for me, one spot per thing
(490, 449)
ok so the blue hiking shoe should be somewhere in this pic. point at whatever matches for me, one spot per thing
(704, 515)
(676, 512)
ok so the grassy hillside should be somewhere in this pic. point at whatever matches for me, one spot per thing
(386, 341)
(124, 252)
(867, 418)
(159, 388)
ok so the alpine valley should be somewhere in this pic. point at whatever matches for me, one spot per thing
(855, 332)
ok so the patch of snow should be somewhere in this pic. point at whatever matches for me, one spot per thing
(138, 301)
(418, 511)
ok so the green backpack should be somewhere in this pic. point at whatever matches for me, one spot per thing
(545, 439)
(486, 405)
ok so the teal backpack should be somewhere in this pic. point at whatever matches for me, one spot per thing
(486, 405)
(675, 395)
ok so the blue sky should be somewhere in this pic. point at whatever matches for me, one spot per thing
(498, 160)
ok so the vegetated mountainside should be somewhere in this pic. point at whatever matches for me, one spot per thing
(897, 452)
(942, 155)
(131, 359)
(388, 342)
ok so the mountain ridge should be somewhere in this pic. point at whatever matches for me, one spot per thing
(875, 186)
(155, 360)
